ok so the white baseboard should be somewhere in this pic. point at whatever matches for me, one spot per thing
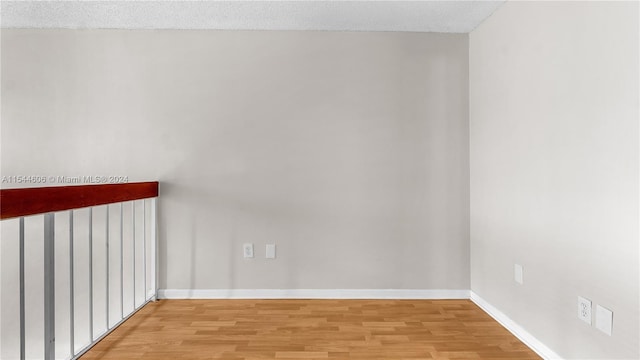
(524, 336)
(311, 294)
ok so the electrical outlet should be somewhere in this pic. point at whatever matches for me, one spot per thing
(584, 309)
(518, 275)
(270, 252)
(247, 250)
(604, 319)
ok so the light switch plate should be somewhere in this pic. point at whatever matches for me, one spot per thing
(604, 319)
(270, 251)
(584, 309)
(519, 274)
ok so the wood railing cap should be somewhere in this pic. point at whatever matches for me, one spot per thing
(31, 201)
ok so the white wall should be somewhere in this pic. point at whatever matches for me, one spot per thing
(347, 150)
(554, 170)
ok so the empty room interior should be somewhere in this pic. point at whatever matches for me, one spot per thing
(320, 180)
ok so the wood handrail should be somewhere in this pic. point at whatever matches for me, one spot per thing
(31, 201)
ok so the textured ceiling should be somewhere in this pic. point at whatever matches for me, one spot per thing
(420, 16)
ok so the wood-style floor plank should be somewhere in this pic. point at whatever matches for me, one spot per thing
(311, 329)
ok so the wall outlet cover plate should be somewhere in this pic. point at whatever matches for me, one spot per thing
(584, 309)
(247, 250)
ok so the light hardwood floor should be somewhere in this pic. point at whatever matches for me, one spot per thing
(311, 329)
